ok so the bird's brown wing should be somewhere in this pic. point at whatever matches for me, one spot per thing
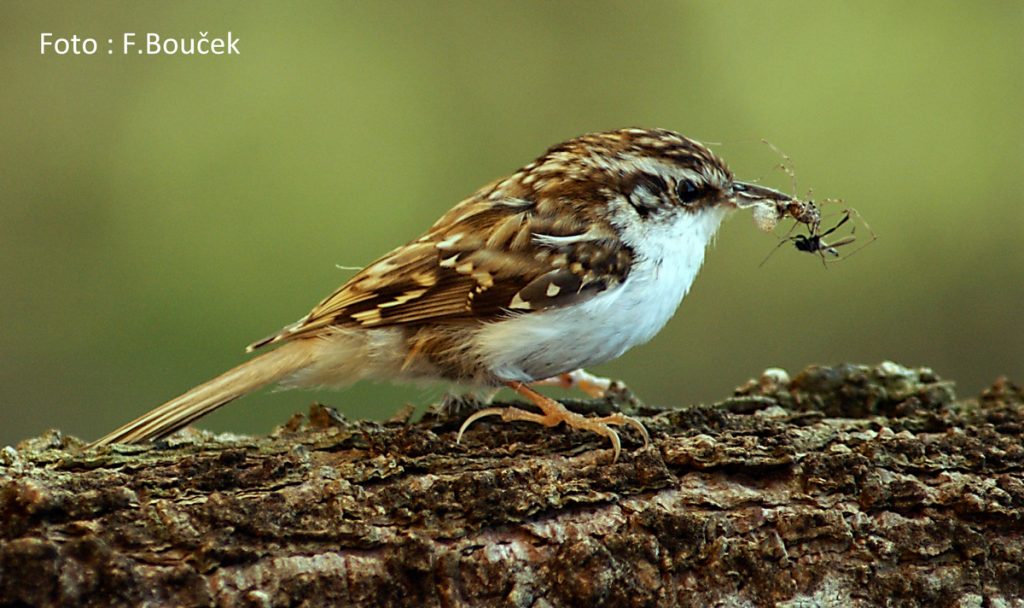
(480, 262)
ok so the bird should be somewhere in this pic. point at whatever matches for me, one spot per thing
(565, 264)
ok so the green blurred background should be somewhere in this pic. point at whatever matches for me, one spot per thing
(159, 213)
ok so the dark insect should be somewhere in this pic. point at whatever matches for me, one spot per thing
(815, 242)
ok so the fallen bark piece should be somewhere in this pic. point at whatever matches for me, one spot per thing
(843, 486)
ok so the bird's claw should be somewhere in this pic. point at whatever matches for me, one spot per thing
(555, 413)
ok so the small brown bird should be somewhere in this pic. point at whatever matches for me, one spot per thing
(567, 263)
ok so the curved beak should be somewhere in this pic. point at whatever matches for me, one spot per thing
(745, 195)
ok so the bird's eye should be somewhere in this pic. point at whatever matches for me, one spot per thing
(688, 191)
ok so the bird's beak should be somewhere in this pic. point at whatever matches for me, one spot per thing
(746, 195)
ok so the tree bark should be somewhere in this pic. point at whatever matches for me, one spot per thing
(845, 486)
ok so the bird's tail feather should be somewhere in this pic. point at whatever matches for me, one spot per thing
(205, 398)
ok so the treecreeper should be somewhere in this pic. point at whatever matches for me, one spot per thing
(567, 263)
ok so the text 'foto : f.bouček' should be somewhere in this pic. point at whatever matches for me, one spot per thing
(139, 44)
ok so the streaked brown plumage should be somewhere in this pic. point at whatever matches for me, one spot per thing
(532, 276)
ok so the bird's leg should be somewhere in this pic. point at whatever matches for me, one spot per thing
(555, 413)
(594, 386)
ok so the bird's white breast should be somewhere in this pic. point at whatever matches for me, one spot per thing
(546, 343)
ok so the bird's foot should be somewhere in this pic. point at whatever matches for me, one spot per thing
(555, 413)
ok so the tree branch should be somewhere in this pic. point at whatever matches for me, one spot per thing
(846, 486)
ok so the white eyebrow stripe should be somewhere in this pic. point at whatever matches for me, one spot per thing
(672, 174)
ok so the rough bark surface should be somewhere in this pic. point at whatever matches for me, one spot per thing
(845, 486)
